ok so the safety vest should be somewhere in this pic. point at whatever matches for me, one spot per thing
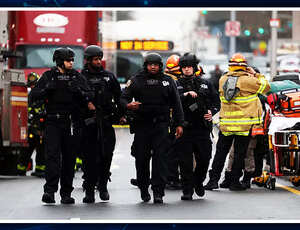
(240, 114)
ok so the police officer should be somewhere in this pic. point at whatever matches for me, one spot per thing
(155, 94)
(100, 134)
(200, 102)
(62, 88)
(35, 130)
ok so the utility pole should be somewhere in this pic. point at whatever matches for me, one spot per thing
(274, 24)
(232, 38)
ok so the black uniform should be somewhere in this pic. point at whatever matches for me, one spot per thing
(62, 93)
(100, 135)
(35, 140)
(158, 94)
(196, 136)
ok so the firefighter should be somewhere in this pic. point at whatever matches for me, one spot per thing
(240, 111)
(173, 70)
(155, 94)
(200, 102)
(100, 135)
(62, 88)
(36, 112)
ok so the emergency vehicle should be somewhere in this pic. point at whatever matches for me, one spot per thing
(34, 36)
(13, 117)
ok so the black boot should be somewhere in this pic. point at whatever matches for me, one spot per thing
(134, 182)
(157, 198)
(187, 196)
(89, 197)
(199, 190)
(145, 195)
(48, 198)
(227, 180)
(67, 200)
(237, 186)
(247, 179)
(212, 184)
(103, 192)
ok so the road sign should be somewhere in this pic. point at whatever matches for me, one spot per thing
(203, 32)
(232, 28)
(275, 22)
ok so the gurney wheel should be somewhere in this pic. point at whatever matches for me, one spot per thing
(270, 183)
(296, 184)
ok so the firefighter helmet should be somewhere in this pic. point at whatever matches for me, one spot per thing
(93, 51)
(189, 59)
(200, 71)
(32, 79)
(237, 60)
(61, 54)
(172, 64)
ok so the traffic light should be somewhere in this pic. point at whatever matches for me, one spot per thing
(203, 12)
(261, 30)
(247, 32)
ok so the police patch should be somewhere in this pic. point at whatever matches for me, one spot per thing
(165, 83)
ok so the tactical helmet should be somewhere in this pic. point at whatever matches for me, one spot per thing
(189, 59)
(172, 64)
(93, 51)
(237, 60)
(61, 54)
(153, 58)
(32, 79)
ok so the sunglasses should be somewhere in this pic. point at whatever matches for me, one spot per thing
(69, 60)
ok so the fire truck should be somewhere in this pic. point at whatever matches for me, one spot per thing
(13, 116)
(32, 39)
(34, 35)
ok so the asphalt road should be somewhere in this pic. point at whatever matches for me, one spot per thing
(21, 200)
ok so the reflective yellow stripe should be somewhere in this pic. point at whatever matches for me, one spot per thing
(262, 86)
(78, 160)
(243, 121)
(37, 110)
(234, 113)
(246, 133)
(252, 97)
(40, 167)
(21, 167)
(234, 128)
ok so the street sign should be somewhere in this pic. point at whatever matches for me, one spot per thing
(275, 22)
(203, 32)
(232, 28)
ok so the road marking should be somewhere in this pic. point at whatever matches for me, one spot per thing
(295, 191)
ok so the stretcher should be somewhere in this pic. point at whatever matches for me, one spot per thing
(284, 149)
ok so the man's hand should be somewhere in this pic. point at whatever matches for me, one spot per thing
(208, 116)
(179, 132)
(192, 93)
(133, 105)
(91, 106)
